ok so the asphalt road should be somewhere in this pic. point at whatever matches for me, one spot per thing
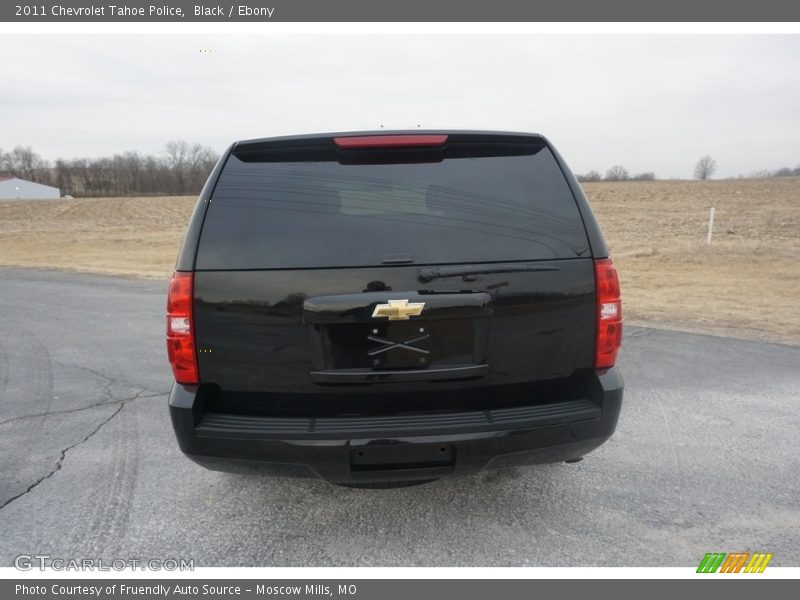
(705, 458)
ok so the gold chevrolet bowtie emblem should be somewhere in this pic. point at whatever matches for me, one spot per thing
(398, 310)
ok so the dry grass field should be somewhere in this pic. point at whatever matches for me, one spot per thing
(746, 284)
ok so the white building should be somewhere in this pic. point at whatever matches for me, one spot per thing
(14, 188)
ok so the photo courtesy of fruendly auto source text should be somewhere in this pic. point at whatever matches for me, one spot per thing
(364, 300)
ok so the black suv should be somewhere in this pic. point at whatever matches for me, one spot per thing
(392, 306)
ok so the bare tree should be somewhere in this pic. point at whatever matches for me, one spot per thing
(130, 166)
(23, 162)
(590, 176)
(176, 160)
(100, 176)
(156, 175)
(189, 163)
(201, 161)
(705, 168)
(617, 173)
(64, 176)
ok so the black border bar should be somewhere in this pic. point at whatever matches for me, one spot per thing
(337, 11)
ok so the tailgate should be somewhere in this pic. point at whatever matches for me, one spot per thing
(257, 332)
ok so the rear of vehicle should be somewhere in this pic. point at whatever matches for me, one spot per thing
(380, 307)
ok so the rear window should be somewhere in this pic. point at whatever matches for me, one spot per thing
(455, 209)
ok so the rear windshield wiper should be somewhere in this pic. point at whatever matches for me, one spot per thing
(430, 273)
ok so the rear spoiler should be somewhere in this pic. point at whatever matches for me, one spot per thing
(387, 146)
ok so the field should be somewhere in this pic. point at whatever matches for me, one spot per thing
(745, 284)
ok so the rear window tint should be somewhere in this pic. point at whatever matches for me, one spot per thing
(326, 214)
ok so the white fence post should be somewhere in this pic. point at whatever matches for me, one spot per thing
(710, 226)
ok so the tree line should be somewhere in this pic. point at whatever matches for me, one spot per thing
(183, 167)
(180, 170)
(616, 173)
(703, 169)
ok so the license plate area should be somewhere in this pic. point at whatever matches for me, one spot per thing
(414, 344)
(401, 456)
(353, 338)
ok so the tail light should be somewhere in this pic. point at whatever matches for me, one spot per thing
(180, 333)
(609, 314)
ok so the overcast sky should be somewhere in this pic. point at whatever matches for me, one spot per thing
(650, 103)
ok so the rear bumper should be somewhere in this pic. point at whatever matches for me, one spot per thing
(397, 448)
